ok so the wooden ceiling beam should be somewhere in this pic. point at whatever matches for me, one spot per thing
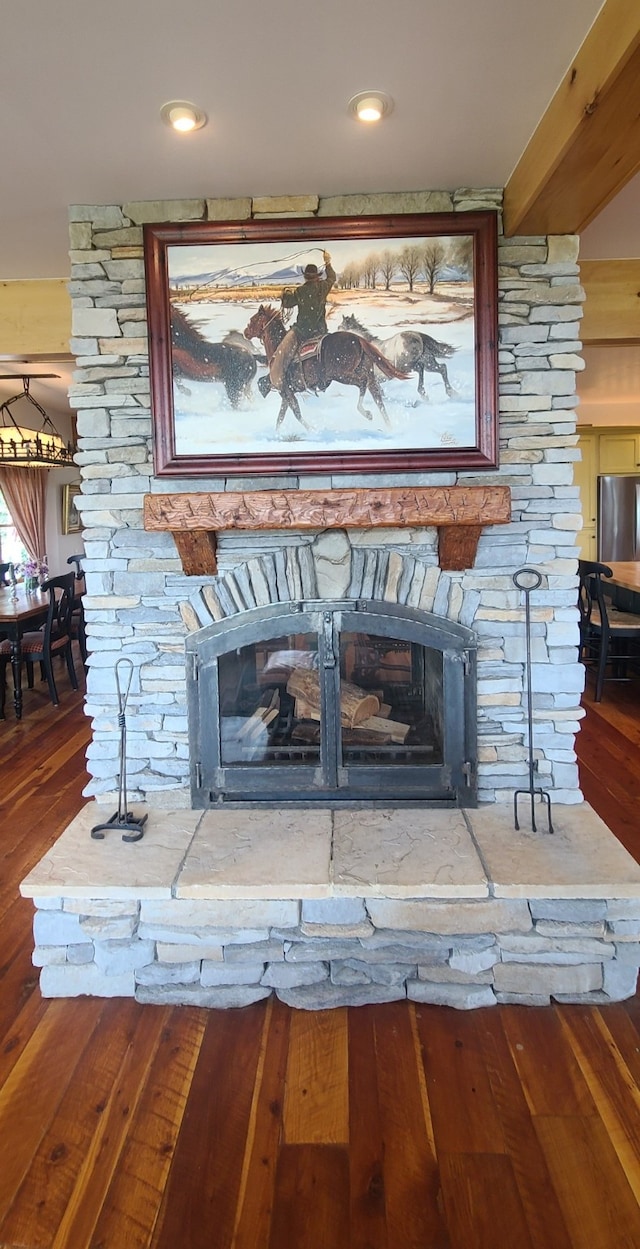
(587, 145)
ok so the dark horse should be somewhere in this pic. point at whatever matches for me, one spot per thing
(409, 350)
(342, 357)
(193, 356)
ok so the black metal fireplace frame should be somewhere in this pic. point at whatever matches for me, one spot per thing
(453, 782)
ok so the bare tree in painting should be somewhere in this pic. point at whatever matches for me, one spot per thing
(388, 265)
(433, 262)
(350, 276)
(409, 264)
(371, 268)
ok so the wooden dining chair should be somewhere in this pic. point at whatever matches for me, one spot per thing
(53, 639)
(609, 638)
(4, 584)
(78, 631)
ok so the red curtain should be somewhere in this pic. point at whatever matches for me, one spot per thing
(24, 491)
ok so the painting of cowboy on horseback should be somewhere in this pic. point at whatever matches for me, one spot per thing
(307, 318)
(341, 357)
(310, 298)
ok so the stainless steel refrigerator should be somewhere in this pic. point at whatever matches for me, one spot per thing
(618, 517)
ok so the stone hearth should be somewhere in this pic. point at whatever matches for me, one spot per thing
(325, 909)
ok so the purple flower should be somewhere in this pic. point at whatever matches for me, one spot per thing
(33, 568)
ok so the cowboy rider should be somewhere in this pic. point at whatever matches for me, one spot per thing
(310, 299)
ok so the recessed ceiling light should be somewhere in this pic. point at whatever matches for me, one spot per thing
(370, 105)
(183, 116)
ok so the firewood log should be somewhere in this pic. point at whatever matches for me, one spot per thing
(362, 736)
(261, 715)
(394, 729)
(306, 734)
(356, 704)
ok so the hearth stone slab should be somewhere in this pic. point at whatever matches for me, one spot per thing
(79, 867)
(454, 919)
(406, 854)
(581, 859)
(244, 854)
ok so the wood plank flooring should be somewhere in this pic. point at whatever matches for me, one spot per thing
(391, 1127)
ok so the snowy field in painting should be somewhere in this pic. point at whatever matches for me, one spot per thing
(206, 424)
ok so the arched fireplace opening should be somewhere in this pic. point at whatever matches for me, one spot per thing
(344, 702)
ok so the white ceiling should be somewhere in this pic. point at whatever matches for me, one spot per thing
(82, 85)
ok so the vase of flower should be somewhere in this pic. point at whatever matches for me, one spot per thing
(34, 572)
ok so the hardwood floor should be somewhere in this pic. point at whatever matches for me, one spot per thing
(392, 1127)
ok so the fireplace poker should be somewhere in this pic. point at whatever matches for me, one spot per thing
(132, 826)
(528, 579)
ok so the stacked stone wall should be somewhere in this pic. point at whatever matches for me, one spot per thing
(340, 951)
(141, 605)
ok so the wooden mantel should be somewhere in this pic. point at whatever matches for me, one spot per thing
(458, 512)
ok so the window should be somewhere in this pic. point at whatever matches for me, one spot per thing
(11, 548)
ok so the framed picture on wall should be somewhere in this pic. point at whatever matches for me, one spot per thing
(323, 344)
(71, 522)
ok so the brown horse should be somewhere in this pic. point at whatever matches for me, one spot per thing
(193, 356)
(411, 350)
(341, 357)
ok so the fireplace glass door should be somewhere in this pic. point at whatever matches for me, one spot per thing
(260, 721)
(390, 702)
(359, 702)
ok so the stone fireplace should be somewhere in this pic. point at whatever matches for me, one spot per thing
(416, 609)
(141, 602)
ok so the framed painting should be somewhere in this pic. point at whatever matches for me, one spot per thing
(323, 345)
(70, 515)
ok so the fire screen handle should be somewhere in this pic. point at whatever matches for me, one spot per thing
(329, 660)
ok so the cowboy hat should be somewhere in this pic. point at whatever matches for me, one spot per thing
(311, 271)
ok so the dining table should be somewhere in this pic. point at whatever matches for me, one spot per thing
(21, 611)
(626, 575)
(624, 586)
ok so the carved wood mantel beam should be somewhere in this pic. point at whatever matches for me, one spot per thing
(458, 512)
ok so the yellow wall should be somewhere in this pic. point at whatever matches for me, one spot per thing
(35, 318)
(609, 385)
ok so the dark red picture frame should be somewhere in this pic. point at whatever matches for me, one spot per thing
(474, 232)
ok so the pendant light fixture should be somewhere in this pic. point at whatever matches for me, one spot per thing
(25, 447)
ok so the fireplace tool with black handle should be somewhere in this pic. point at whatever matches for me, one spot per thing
(131, 826)
(528, 579)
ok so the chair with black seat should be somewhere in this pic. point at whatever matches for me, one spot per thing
(609, 638)
(78, 631)
(53, 639)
